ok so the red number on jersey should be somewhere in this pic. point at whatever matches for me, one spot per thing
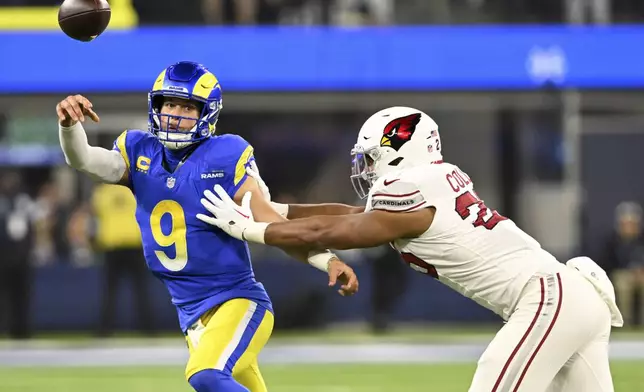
(466, 200)
(421, 266)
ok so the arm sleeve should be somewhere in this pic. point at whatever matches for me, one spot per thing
(99, 163)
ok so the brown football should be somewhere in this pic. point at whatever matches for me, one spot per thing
(84, 20)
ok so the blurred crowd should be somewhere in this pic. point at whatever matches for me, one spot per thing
(624, 261)
(372, 12)
(43, 228)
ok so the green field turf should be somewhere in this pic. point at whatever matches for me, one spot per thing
(628, 376)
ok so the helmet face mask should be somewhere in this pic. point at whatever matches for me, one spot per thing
(184, 81)
(363, 174)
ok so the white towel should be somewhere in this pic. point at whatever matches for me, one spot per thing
(598, 278)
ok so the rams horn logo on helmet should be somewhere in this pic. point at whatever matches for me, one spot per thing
(399, 131)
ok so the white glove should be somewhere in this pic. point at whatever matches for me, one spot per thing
(237, 221)
(253, 171)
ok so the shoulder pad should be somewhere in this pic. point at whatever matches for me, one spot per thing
(237, 153)
(396, 194)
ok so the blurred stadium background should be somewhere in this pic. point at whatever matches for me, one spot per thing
(541, 102)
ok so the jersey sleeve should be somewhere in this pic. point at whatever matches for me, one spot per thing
(126, 145)
(397, 195)
(239, 157)
(120, 145)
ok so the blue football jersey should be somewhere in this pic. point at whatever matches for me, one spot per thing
(200, 265)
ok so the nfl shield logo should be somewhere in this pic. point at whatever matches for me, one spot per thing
(170, 182)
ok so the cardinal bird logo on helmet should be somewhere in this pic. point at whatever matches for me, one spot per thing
(399, 131)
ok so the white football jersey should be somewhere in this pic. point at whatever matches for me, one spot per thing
(468, 247)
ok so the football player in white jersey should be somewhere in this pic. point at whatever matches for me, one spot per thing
(558, 317)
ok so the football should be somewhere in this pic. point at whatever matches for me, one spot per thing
(84, 20)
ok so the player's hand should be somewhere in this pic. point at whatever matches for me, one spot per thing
(253, 171)
(74, 109)
(228, 216)
(340, 272)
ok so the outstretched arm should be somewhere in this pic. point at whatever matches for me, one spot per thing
(99, 163)
(400, 211)
(319, 258)
(363, 230)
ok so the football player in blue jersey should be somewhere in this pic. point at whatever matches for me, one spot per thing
(224, 312)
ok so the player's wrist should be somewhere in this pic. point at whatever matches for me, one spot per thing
(254, 232)
(280, 208)
(74, 127)
(321, 259)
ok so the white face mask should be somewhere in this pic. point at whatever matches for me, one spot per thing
(362, 170)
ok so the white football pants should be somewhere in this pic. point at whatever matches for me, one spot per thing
(556, 340)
